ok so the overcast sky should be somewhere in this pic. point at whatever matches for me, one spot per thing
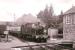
(20, 7)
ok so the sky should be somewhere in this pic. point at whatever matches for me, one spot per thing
(10, 9)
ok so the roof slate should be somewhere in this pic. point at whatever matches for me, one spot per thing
(71, 10)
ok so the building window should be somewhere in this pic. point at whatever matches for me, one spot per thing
(68, 20)
(73, 19)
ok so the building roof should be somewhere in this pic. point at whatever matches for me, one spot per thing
(71, 10)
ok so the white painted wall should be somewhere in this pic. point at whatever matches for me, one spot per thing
(52, 32)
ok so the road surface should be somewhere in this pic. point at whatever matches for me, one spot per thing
(13, 42)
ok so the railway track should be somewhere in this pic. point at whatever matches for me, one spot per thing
(43, 46)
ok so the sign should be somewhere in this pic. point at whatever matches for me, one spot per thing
(5, 32)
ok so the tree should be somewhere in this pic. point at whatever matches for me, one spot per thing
(60, 18)
(47, 16)
(51, 11)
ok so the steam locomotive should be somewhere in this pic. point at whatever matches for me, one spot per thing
(31, 32)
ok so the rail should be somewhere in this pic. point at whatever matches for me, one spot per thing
(46, 46)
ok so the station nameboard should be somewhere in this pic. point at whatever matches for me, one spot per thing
(5, 32)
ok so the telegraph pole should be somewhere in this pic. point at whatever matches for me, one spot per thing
(14, 18)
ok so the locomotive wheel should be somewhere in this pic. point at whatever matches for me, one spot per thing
(34, 39)
(43, 40)
(38, 40)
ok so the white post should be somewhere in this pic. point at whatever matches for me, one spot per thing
(52, 32)
(6, 33)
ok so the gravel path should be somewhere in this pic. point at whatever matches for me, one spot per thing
(13, 42)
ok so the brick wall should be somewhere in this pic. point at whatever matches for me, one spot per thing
(69, 29)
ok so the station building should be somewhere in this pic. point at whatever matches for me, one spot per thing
(69, 24)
